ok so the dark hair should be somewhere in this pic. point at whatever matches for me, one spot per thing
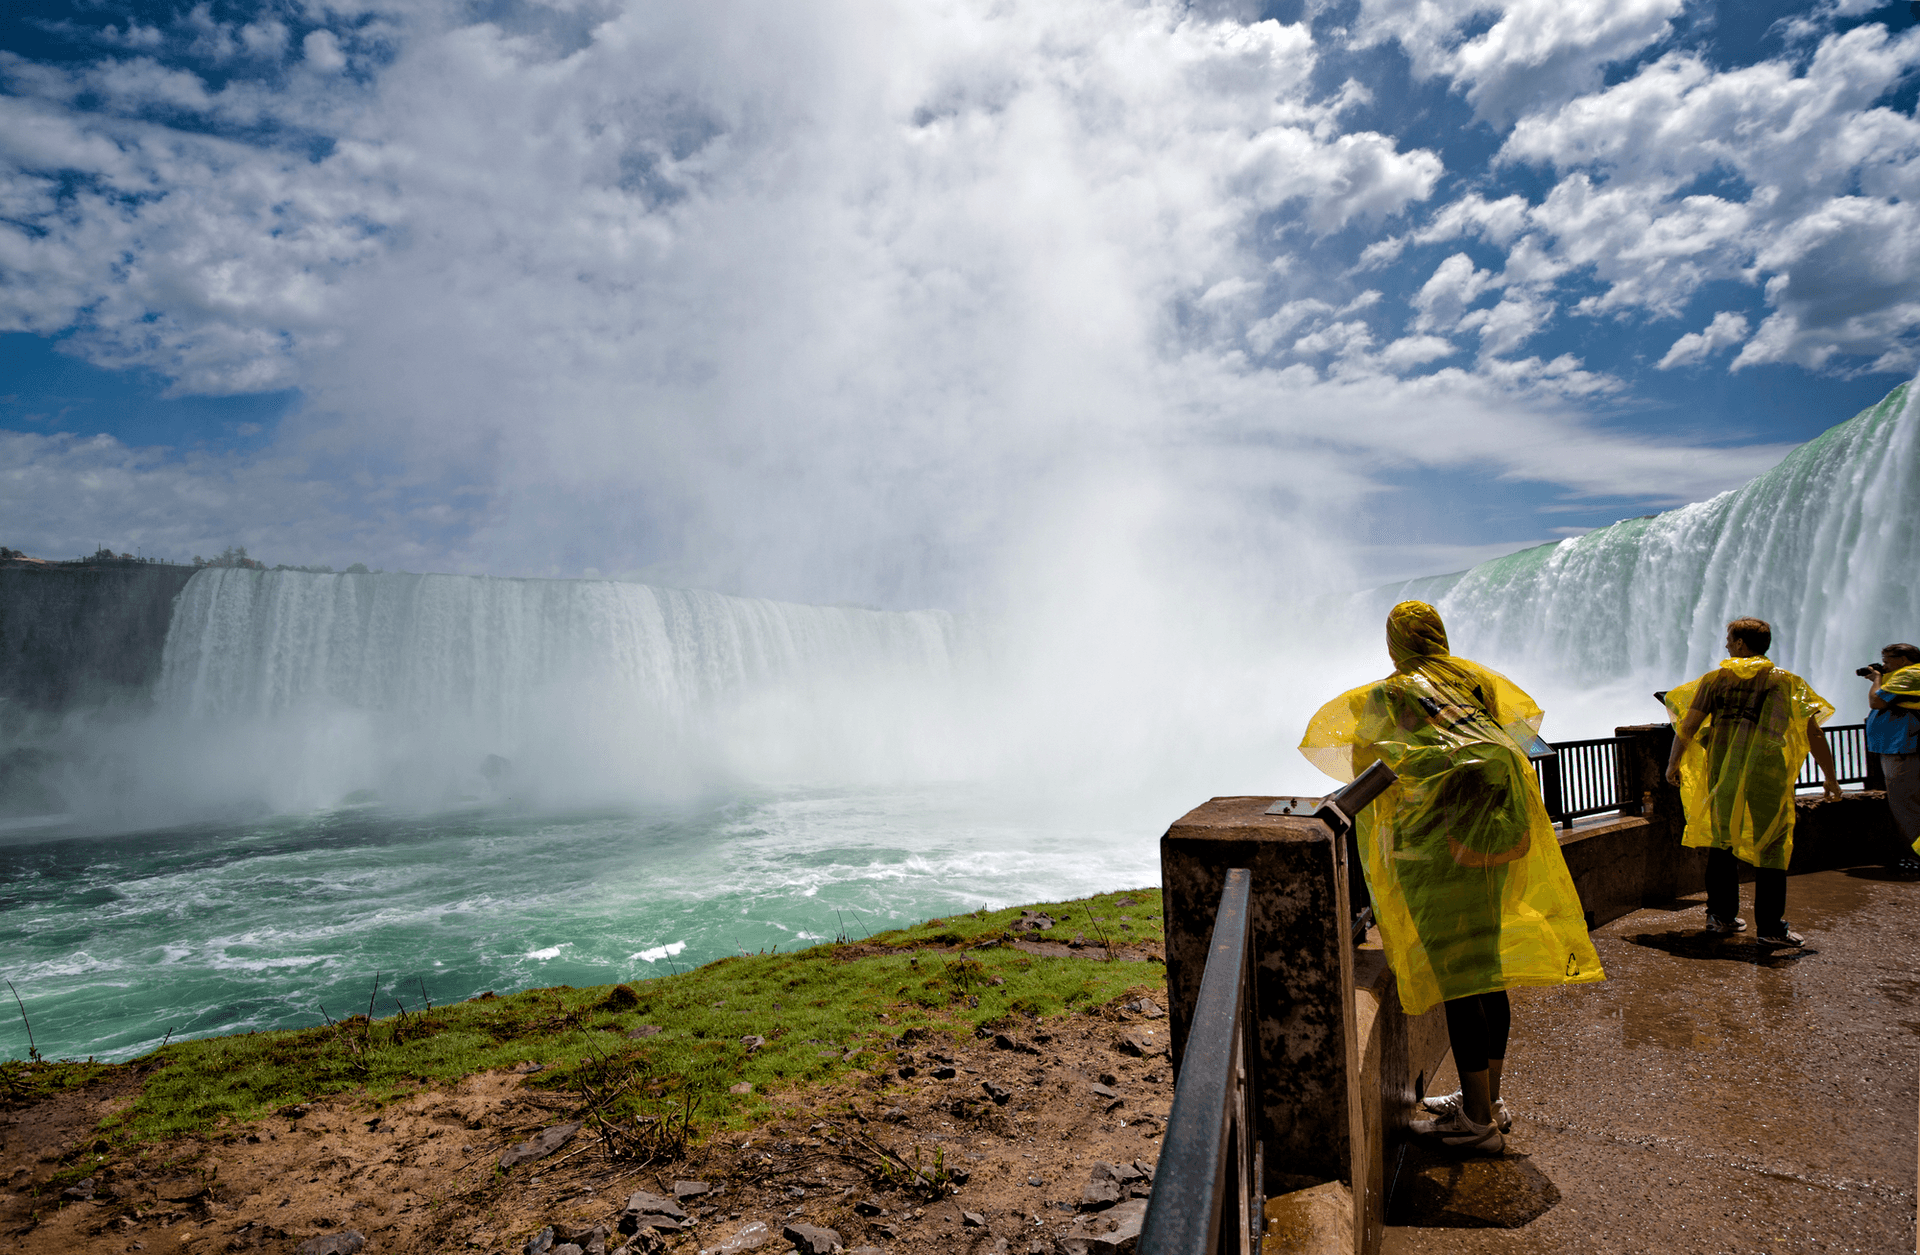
(1904, 650)
(1755, 634)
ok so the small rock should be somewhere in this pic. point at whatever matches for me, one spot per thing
(973, 1220)
(741, 1087)
(1101, 1193)
(866, 1250)
(1104, 1091)
(894, 1115)
(566, 1248)
(1139, 1045)
(1152, 1010)
(645, 1030)
(999, 1094)
(650, 1211)
(539, 1243)
(691, 1189)
(1035, 1181)
(1079, 941)
(79, 1191)
(811, 1239)
(869, 1207)
(1031, 921)
(588, 1241)
(1003, 1042)
(908, 1072)
(540, 1146)
(944, 1074)
(343, 1243)
(1125, 902)
(529, 1068)
(753, 1042)
(1115, 1232)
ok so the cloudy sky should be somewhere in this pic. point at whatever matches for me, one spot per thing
(867, 299)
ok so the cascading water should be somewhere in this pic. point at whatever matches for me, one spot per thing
(401, 685)
(1824, 546)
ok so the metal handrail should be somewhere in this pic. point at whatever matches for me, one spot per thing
(1848, 741)
(1212, 1205)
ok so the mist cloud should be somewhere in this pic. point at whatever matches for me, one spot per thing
(851, 300)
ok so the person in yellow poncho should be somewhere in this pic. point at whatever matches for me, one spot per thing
(1754, 724)
(1469, 887)
(1893, 732)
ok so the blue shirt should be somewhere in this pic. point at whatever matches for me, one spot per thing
(1892, 731)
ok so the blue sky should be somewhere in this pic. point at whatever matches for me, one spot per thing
(894, 304)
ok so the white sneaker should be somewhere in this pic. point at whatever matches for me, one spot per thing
(1461, 1135)
(1447, 1104)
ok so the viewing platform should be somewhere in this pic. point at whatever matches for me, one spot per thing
(1712, 1095)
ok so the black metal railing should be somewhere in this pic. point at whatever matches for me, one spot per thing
(1206, 1200)
(1581, 778)
(1848, 741)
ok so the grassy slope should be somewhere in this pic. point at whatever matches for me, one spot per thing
(812, 1007)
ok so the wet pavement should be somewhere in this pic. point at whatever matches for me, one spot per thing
(1713, 1095)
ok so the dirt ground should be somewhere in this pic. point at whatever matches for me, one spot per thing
(419, 1174)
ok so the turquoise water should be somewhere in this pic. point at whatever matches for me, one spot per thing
(115, 940)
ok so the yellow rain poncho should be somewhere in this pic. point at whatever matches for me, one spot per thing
(1902, 687)
(1469, 887)
(1736, 776)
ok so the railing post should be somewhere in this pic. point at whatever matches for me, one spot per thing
(1303, 1003)
(1552, 787)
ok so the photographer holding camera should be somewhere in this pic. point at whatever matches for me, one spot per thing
(1893, 731)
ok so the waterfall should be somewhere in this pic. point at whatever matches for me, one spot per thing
(428, 686)
(1825, 547)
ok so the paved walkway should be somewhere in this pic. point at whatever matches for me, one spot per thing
(1711, 1096)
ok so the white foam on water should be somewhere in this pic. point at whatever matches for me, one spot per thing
(659, 952)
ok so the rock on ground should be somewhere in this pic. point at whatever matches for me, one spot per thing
(343, 1243)
(541, 1145)
(811, 1239)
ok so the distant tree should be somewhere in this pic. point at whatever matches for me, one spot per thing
(232, 556)
(358, 568)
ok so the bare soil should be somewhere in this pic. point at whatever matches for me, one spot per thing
(420, 1174)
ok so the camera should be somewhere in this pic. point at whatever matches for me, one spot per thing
(1871, 669)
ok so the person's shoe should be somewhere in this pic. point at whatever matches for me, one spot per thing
(1461, 1135)
(1720, 927)
(1782, 936)
(1447, 1104)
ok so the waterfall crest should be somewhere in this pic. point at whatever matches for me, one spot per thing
(260, 642)
(1824, 546)
(429, 687)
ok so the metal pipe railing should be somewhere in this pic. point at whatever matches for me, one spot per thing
(1212, 1204)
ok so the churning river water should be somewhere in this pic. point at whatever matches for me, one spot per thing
(115, 941)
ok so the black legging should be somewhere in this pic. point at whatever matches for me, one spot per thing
(1477, 1027)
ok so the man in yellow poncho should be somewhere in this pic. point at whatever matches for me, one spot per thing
(1754, 724)
(1893, 732)
(1468, 883)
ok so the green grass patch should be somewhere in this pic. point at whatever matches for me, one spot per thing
(1099, 916)
(821, 1012)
